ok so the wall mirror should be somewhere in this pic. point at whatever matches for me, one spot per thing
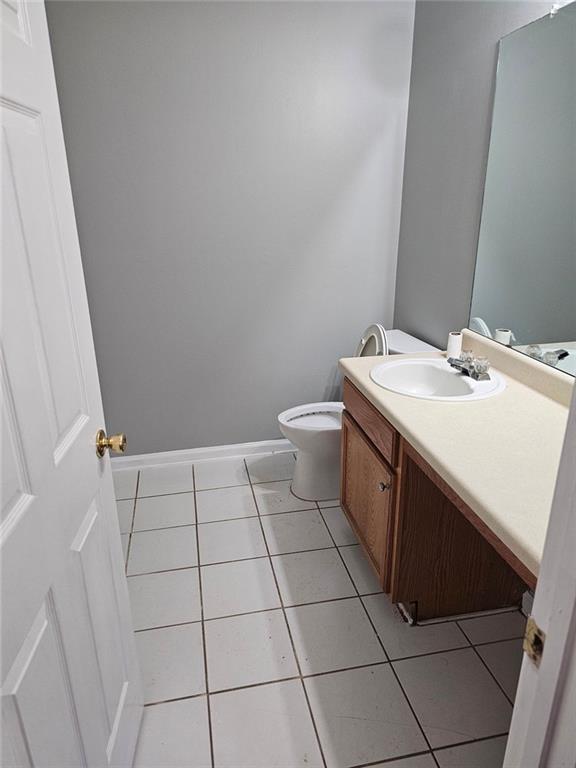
(524, 291)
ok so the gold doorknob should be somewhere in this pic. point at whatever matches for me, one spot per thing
(116, 443)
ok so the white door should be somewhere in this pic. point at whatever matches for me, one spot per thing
(544, 718)
(70, 687)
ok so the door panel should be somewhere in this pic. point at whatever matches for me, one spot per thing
(367, 494)
(29, 189)
(69, 679)
(93, 565)
(38, 683)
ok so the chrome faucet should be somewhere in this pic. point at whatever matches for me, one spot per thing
(468, 365)
(549, 356)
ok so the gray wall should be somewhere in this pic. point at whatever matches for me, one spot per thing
(236, 170)
(451, 90)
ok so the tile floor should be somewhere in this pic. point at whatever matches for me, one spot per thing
(265, 642)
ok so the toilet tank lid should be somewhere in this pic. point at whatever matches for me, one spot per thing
(401, 343)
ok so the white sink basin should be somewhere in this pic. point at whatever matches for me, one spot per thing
(434, 379)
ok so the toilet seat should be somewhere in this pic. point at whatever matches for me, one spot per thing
(373, 342)
(313, 416)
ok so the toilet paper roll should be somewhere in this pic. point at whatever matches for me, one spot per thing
(503, 335)
(454, 345)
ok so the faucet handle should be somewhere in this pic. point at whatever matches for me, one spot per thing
(481, 365)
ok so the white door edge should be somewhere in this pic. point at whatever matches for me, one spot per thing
(542, 728)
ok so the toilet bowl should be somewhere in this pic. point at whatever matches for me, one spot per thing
(315, 428)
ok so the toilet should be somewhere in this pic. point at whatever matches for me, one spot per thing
(315, 428)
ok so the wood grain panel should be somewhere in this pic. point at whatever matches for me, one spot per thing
(518, 566)
(367, 494)
(380, 431)
(441, 561)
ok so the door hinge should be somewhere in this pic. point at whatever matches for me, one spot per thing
(534, 640)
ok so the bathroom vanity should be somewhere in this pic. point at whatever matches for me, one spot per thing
(450, 501)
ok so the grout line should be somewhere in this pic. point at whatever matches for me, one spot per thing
(205, 565)
(176, 698)
(283, 608)
(381, 643)
(220, 520)
(304, 605)
(398, 759)
(495, 642)
(212, 488)
(167, 626)
(471, 741)
(240, 560)
(261, 684)
(162, 570)
(232, 520)
(493, 676)
(204, 648)
(163, 528)
(159, 495)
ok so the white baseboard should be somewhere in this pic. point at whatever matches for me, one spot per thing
(194, 455)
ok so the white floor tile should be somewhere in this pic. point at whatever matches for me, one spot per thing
(225, 504)
(295, 532)
(163, 550)
(402, 640)
(273, 498)
(160, 599)
(307, 577)
(233, 588)
(264, 727)
(174, 478)
(231, 540)
(277, 466)
(504, 660)
(482, 754)
(499, 626)
(360, 569)
(330, 636)
(125, 483)
(171, 662)
(174, 735)
(339, 526)
(220, 473)
(125, 538)
(329, 503)
(420, 761)
(164, 511)
(454, 697)
(362, 716)
(249, 649)
(125, 512)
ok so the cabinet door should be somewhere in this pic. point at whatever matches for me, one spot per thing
(366, 495)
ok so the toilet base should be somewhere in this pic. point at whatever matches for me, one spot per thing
(317, 477)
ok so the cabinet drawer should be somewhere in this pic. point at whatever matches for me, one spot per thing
(374, 425)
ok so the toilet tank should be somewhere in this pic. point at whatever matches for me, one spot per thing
(401, 343)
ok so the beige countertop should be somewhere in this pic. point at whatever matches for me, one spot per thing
(500, 455)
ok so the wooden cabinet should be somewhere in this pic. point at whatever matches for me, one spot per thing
(428, 548)
(367, 492)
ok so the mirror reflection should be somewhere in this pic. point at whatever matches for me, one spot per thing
(525, 281)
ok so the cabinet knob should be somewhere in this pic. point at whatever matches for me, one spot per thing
(383, 486)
